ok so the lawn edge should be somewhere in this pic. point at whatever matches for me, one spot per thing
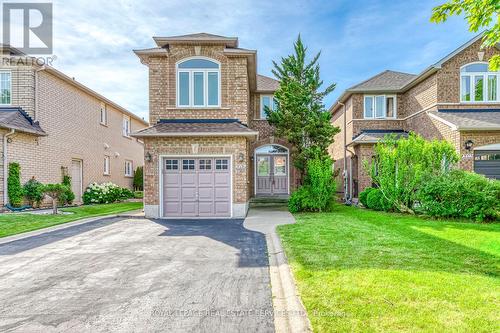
(286, 298)
(63, 225)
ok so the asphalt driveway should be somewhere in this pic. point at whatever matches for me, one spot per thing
(137, 275)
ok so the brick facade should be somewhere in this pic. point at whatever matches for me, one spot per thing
(440, 89)
(71, 118)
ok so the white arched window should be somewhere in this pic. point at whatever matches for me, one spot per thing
(478, 84)
(198, 83)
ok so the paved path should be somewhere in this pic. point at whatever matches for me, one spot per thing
(137, 275)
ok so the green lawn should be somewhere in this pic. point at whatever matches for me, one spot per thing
(365, 271)
(11, 224)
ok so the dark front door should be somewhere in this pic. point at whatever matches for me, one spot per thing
(271, 174)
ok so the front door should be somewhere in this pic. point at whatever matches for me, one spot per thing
(271, 174)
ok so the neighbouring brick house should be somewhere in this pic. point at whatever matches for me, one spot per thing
(51, 124)
(456, 99)
(210, 148)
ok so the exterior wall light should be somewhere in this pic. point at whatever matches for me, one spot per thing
(148, 157)
(468, 145)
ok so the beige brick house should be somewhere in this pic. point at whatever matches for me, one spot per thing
(456, 99)
(210, 148)
(51, 125)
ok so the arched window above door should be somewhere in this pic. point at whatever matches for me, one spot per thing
(271, 149)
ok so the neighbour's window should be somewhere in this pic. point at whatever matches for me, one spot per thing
(266, 101)
(478, 83)
(104, 114)
(172, 164)
(205, 164)
(198, 83)
(126, 126)
(221, 164)
(128, 168)
(380, 107)
(106, 165)
(187, 164)
(5, 88)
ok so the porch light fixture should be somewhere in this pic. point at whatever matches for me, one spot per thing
(468, 145)
(148, 157)
(241, 157)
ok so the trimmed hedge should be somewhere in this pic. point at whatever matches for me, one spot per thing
(363, 196)
(461, 194)
(375, 200)
(14, 189)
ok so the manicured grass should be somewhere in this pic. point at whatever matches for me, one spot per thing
(365, 271)
(11, 224)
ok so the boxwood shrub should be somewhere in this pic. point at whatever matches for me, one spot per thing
(363, 196)
(375, 200)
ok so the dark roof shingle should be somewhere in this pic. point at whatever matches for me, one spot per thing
(16, 118)
(196, 127)
(470, 119)
(387, 80)
(265, 83)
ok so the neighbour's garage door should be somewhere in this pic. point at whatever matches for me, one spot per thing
(196, 187)
(487, 162)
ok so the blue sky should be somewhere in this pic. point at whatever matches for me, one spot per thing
(93, 40)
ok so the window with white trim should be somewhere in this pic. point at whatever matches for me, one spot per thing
(379, 106)
(5, 88)
(198, 83)
(478, 84)
(106, 165)
(103, 114)
(126, 126)
(129, 168)
(270, 102)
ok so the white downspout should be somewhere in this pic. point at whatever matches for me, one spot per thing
(5, 165)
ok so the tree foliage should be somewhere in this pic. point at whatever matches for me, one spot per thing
(56, 193)
(139, 179)
(402, 165)
(480, 14)
(300, 116)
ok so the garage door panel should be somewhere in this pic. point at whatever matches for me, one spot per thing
(222, 208)
(206, 209)
(203, 190)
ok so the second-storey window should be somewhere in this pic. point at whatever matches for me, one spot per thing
(266, 101)
(126, 126)
(478, 84)
(103, 114)
(5, 88)
(198, 83)
(379, 106)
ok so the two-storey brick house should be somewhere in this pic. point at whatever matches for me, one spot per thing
(209, 148)
(456, 99)
(53, 125)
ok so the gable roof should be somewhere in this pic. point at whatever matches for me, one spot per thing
(17, 119)
(266, 84)
(411, 81)
(386, 81)
(198, 38)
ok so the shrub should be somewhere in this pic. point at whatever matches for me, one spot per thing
(461, 194)
(363, 196)
(138, 179)
(14, 188)
(375, 200)
(33, 191)
(68, 196)
(401, 166)
(105, 193)
(139, 194)
(318, 192)
(55, 191)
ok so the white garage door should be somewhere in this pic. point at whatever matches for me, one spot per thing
(196, 187)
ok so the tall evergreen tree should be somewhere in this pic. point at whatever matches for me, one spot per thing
(300, 116)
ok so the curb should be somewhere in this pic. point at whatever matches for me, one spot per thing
(290, 315)
(38, 232)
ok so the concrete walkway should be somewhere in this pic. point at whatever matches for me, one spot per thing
(289, 313)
